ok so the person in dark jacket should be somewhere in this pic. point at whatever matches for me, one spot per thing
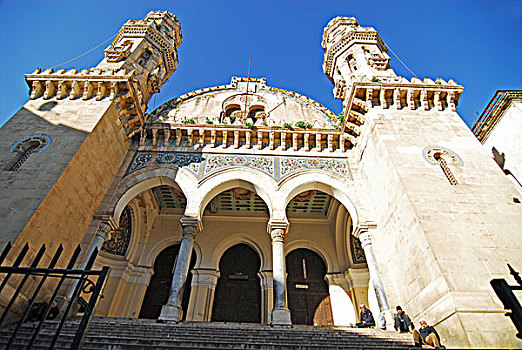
(366, 318)
(402, 322)
(426, 335)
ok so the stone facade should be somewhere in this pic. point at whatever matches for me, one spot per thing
(392, 202)
(499, 128)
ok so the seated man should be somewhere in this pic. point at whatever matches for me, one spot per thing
(54, 311)
(402, 321)
(427, 335)
(366, 318)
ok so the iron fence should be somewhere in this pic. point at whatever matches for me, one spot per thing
(89, 282)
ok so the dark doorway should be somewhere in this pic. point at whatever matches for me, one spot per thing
(158, 291)
(238, 293)
(307, 287)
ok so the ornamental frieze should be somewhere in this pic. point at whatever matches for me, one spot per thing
(141, 160)
(205, 165)
(290, 165)
(214, 163)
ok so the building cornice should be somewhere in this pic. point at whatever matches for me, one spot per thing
(494, 112)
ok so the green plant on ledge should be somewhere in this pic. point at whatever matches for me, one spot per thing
(340, 117)
(288, 126)
(208, 121)
(249, 125)
(303, 125)
(188, 121)
(376, 80)
(264, 124)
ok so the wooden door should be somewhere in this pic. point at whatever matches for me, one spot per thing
(158, 291)
(238, 292)
(307, 288)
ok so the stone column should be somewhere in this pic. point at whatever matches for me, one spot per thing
(362, 232)
(204, 282)
(280, 313)
(172, 312)
(267, 295)
(103, 233)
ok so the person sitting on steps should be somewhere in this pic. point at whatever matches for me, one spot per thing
(426, 335)
(366, 318)
(402, 322)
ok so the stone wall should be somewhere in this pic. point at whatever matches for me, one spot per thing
(438, 245)
(54, 195)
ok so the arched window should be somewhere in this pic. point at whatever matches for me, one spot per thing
(25, 147)
(352, 63)
(443, 157)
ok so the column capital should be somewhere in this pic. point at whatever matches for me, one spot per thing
(277, 235)
(363, 227)
(205, 277)
(191, 226)
(362, 232)
(105, 229)
(108, 219)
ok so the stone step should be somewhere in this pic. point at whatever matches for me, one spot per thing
(115, 334)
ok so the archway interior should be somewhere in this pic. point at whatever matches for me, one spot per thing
(170, 199)
(238, 292)
(312, 202)
(308, 297)
(158, 291)
(231, 201)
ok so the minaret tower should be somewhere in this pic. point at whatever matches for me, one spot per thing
(432, 190)
(75, 130)
(353, 53)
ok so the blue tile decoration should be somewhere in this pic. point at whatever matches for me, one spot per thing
(206, 164)
(356, 248)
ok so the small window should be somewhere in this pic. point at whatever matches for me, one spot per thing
(24, 148)
(352, 63)
(255, 112)
(144, 58)
(445, 168)
(23, 155)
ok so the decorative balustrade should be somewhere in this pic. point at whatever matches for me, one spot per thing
(198, 137)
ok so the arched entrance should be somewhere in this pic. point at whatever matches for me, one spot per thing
(238, 292)
(158, 291)
(308, 297)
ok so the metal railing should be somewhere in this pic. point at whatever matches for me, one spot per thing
(54, 279)
(508, 298)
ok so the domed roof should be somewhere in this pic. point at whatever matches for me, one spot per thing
(231, 104)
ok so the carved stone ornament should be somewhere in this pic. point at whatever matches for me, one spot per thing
(189, 231)
(357, 250)
(104, 230)
(119, 239)
(278, 235)
(242, 193)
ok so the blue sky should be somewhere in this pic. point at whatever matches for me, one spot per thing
(476, 43)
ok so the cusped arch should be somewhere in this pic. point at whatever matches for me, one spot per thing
(233, 240)
(314, 247)
(339, 189)
(135, 183)
(263, 185)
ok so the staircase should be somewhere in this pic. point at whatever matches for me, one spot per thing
(122, 333)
